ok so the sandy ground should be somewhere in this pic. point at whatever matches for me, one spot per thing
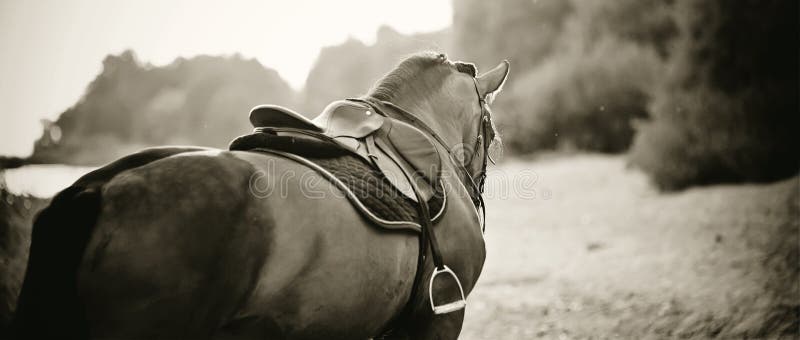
(599, 254)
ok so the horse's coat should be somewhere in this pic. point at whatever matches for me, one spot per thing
(180, 247)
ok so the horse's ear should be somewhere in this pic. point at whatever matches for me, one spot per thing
(491, 82)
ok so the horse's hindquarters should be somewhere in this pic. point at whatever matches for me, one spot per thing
(172, 254)
(185, 247)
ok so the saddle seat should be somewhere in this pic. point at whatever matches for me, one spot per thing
(279, 116)
(400, 151)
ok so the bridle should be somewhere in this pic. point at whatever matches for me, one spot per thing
(474, 187)
(485, 127)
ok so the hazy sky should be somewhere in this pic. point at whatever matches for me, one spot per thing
(51, 50)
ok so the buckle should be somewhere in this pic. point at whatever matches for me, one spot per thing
(451, 306)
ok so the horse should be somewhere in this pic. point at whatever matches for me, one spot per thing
(171, 242)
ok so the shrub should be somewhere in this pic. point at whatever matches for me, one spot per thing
(16, 217)
(583, 99)
(728, 110)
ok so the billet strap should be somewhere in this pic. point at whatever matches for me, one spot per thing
(423, 210)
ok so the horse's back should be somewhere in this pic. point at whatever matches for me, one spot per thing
(193, 242)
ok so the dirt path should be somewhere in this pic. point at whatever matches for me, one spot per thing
(598, 253)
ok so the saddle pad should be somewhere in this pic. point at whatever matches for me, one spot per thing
(366, 187)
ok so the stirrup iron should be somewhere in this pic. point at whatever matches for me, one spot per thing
(451, 306)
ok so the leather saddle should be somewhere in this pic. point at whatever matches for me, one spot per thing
(400, 151)
(405, 156)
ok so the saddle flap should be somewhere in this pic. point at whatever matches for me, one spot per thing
(279, 116)
(417, 149)
(349, 119)
(397, 170)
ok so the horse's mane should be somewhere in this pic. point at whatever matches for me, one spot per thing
(414, 66)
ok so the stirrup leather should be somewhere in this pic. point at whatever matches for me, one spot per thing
(451, 306)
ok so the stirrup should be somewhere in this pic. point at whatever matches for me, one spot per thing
(448, 307)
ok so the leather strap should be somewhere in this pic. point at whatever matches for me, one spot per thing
(424, 211)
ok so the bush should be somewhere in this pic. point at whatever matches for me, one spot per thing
(702, 136)
(16, 218)
(728, 110)
(581, 70)
(581, 100)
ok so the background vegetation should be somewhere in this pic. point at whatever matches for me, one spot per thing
(200, 101)
(699, 91)
(727, 107)
(16, 218)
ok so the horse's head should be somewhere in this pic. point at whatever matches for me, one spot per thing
(451, 98)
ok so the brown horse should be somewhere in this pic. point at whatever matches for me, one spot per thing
(172, 243)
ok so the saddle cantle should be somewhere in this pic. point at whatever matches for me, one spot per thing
(397, 152)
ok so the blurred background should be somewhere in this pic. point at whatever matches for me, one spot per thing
(660, 137)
